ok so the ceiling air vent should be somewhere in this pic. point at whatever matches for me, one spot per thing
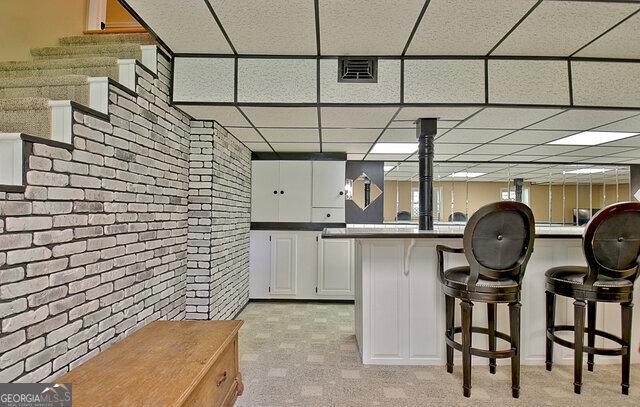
(357, 70)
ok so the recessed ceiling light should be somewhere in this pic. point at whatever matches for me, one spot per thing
(592, 138)
(394, 148)
(588, 171)
(388, 167)
(466, 174)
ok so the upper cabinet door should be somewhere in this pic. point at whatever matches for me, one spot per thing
(328, 184)
(294, 194)
(265, 190)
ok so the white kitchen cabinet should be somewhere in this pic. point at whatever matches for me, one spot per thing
(281, 191)
(265, 180)
(335, 267)
(284, 259)
(328, 184)
(327, 215)
(286, 264)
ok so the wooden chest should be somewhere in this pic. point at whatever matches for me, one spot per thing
(166, 363)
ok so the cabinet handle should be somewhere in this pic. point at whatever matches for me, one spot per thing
(341, 192)
(222, 379)
(275, 192)
(282, 192)
(328, 215)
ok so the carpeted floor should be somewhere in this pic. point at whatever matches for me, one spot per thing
(304, 354)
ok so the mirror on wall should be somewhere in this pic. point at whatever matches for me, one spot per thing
(558, 194)
(362, 191)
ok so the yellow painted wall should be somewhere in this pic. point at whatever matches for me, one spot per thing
(37, 23)
(118, 17)
(482, 193)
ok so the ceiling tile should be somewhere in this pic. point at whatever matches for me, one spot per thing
(261, 147)
(631, 124)
(348, 148)
(474, 157)
(225, 115)
(508, 118)
(280, 135)
(355, 157)
(277, 80)
(533, 136)
(621, 42)
(185, 26)
(561, 159)
(245, 134)
(559, 28)
(493, 148)
(386, 157)
(598, 151)
(350, 135)
(471, 135)
(297, 147)
(399, 136)
(548, 150)
(479, 25)
(454, 148)
(444, 113)
(582, 119)
(372, 117)
(283, 27)
(282, 116)
(523, 158)
(387, 28)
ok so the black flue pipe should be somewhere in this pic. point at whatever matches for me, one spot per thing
(518, 182)
(426, 130)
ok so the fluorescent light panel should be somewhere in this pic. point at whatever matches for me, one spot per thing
(466, 174)
(588, 171)
(394, 148)
(592, 138)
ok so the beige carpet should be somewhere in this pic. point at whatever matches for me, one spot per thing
(304, 354)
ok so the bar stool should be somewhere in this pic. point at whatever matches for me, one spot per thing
(611, 246)
(498, 241)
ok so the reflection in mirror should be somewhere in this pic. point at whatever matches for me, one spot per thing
(363, 191)
(557, 194)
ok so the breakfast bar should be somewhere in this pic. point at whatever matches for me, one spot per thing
(400, 309)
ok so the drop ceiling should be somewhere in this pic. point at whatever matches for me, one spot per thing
(412, 29)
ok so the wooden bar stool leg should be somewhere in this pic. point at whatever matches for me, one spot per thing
(491, 318)
(578, 310)
(627, 314)
(551, 318)
(514, 322)
(591, 334)
(450, 308)
(467, 315)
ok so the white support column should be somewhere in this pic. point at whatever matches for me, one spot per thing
(96, 14)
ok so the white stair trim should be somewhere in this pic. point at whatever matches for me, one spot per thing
(11, 159)
(127, 73)
(61, 120)
(150, 57)
(99, 94)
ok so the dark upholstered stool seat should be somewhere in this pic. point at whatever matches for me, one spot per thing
(575, 275)
(458, 277)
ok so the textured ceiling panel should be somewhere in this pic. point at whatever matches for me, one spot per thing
(377, 117)
(533, 136)
(245, 134)
(549, 150)
(225, 115)
(559, 28)
(582, 119)
(297, 147)
(471, 136)
(631, 124)
(498, 148)
(508, 118)
(282, 116)
(386, 157)
(290, 135)
(259, 147)
(350, 135)
(606, 84)
(385, 90)
(444, 81)
(444, 113)
(284, 27)
(621, 42)
(454, 148)
(203, 80)
(479, 25)
(185, 26)
(528, 82)
(349, 148)
(366, 27)
(277, 80)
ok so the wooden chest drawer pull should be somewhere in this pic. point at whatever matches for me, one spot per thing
(222, 379)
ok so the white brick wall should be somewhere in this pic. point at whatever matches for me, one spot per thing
(96, 246)
(219, 221)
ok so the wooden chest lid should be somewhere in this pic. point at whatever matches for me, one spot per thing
(159, 365)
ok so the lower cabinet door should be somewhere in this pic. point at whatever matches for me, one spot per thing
(335, 267)
(284, 256)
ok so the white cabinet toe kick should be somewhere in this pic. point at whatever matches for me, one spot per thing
(399, 306)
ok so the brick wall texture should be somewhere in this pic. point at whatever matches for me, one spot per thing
(146, 216)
